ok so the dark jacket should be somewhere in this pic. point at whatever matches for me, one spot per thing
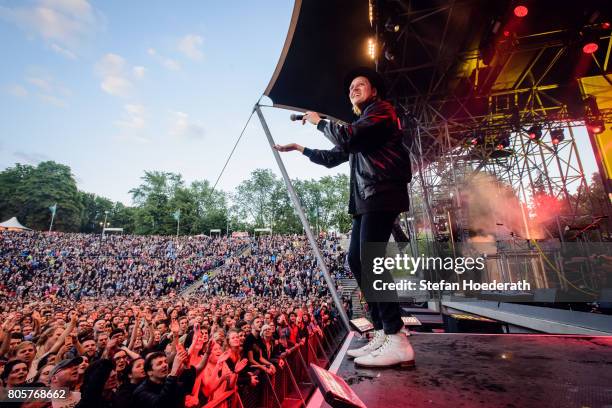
(167, 395)
(124, 396)
(374, 146)
(92, 390)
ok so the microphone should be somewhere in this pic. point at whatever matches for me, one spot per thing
(293, 117)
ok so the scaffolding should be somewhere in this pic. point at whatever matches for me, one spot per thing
(507, 108)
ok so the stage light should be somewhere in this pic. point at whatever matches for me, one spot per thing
(391, 26)
(605, 25)
(590, 47)
(589, 41)
(557, 136)
(592, 115)
(503, 142)
(535, 132)
(476, 138)
(521, 11)
(506, 33)
(372, 48)
(596, 126)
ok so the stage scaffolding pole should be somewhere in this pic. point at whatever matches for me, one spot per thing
(304, 220)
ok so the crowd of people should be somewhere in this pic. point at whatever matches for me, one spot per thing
(278, 265)
(33, 264)
(104, 319)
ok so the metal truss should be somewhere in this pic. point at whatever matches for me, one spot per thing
(445, 122)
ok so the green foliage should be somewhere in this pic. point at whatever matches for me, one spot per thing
(264, 200)
(260, 201)
(95, 208)
(28, 192)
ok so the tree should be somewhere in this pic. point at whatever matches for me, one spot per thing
(255, 197)
(123, 217)
(334, 202)
(94, 211)
(10, 180)
(211, 207)
(28, 192)
(153, 198)
(260, 201)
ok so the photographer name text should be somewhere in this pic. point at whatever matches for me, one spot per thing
(403, 285)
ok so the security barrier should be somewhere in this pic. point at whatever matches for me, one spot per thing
(291, 385)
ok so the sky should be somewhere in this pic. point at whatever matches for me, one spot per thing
(115, 88)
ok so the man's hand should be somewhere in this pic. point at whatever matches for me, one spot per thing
(178, 363)
(289, 147)
(311, 117)
(111, 347)
(174, 327)
(74, 318)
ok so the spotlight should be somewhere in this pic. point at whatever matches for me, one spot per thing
(593, 120)
(372, 48)
(391, 26)
(476, 138)
(590, 47)
(503, 142)
(605, 25)
(521, 11)
(590, 42)
(535, 132)
(557, 136)
(596, 126)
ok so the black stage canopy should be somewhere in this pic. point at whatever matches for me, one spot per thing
(325, 40)
(449, 54)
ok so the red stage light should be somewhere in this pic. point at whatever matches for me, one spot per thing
(605, 25)
(556, 136)
(590, 47)
(506, 33)
(521, 11)
(596, 126)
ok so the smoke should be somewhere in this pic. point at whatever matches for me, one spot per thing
(494, 211)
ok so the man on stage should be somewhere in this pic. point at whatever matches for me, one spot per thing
(380, 170)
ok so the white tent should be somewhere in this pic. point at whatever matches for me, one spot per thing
(12, 225)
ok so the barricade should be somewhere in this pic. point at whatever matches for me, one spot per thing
(291, 386)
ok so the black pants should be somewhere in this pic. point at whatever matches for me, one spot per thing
(374, 227)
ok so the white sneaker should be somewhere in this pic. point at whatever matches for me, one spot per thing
(395, 351)
(376, 342)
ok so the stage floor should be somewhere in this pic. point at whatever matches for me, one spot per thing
(510, 371)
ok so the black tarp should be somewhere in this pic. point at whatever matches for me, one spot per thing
(325, 40)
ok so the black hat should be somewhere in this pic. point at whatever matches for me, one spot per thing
(64, 364)
(116, 332)
(374, 77)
